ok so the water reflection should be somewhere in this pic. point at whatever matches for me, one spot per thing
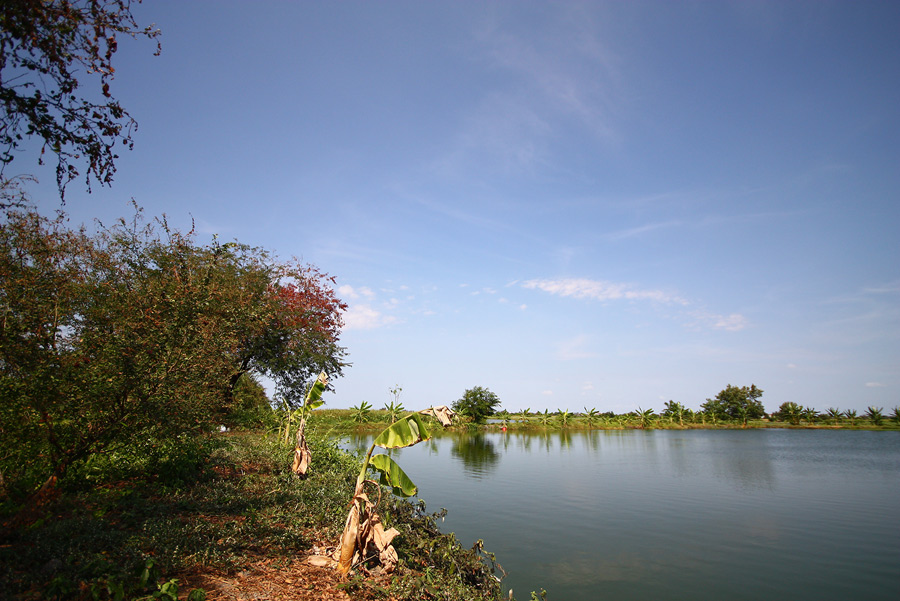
(630, 514)
(476, 452)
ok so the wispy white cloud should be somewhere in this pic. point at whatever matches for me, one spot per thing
(734, 322)
(875, 385)
(350, 293)
(584, 288)
(365, 317)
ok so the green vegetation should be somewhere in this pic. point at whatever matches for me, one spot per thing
(362, 412)
(137, 333)
(364, 537)
(395, 407)
(736, 404)
(477, 404)
(220, 508)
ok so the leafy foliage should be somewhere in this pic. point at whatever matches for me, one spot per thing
(48, 49)
(361, 412)
(675, 411)
(875, 415)
(736, 403)
(477, 403)
(137, 333)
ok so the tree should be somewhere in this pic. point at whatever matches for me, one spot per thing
(361, 412)
(545, 417)
(790, 412)
(674, 411)
(395, 407)
(477, 403)
(736, 403)
(875, 415)
(810, 414)
(48, 50)
(644, 417)
(292, 322)
(132, 333)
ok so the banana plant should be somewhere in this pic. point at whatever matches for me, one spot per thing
(564, 417)
(363, 529)
(644, 416)
(545, 417)
(875, 415)
(835, 414)
(313, 400)
(590, 415)
(361, 413)
(394, 410)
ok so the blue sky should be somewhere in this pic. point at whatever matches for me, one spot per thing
(603, 204)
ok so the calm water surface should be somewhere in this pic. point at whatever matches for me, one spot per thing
(667, 514)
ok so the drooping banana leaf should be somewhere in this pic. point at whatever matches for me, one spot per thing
(393, 476)
(404, 432)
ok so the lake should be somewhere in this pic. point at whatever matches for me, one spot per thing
(673, 514)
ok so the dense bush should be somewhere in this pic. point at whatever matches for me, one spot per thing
(136, 335)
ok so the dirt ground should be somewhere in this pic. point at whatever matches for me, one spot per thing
(267, 580)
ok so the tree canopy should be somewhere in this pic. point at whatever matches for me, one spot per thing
(477, 403)
(736, 403)
(49, 51)
(137, 331)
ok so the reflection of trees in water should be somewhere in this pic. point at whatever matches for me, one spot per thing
(592, 439)
(476, 452)
(547, 440)
(565, 439)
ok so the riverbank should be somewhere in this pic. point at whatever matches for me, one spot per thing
(222, 518)
(346, 421)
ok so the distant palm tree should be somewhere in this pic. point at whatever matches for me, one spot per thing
(524, 413)
(835, 415)
(644, 416)
(361, 413)
(874, 415)
(896, 415)
(394, 410)
(545, 417)
(810, 414)
(851, 415)
(792, 411)
(675, 411)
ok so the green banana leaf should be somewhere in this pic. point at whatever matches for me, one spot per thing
(393, 476)
(314, 396)
(404, 432)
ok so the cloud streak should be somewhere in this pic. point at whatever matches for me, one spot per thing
(599, 290)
